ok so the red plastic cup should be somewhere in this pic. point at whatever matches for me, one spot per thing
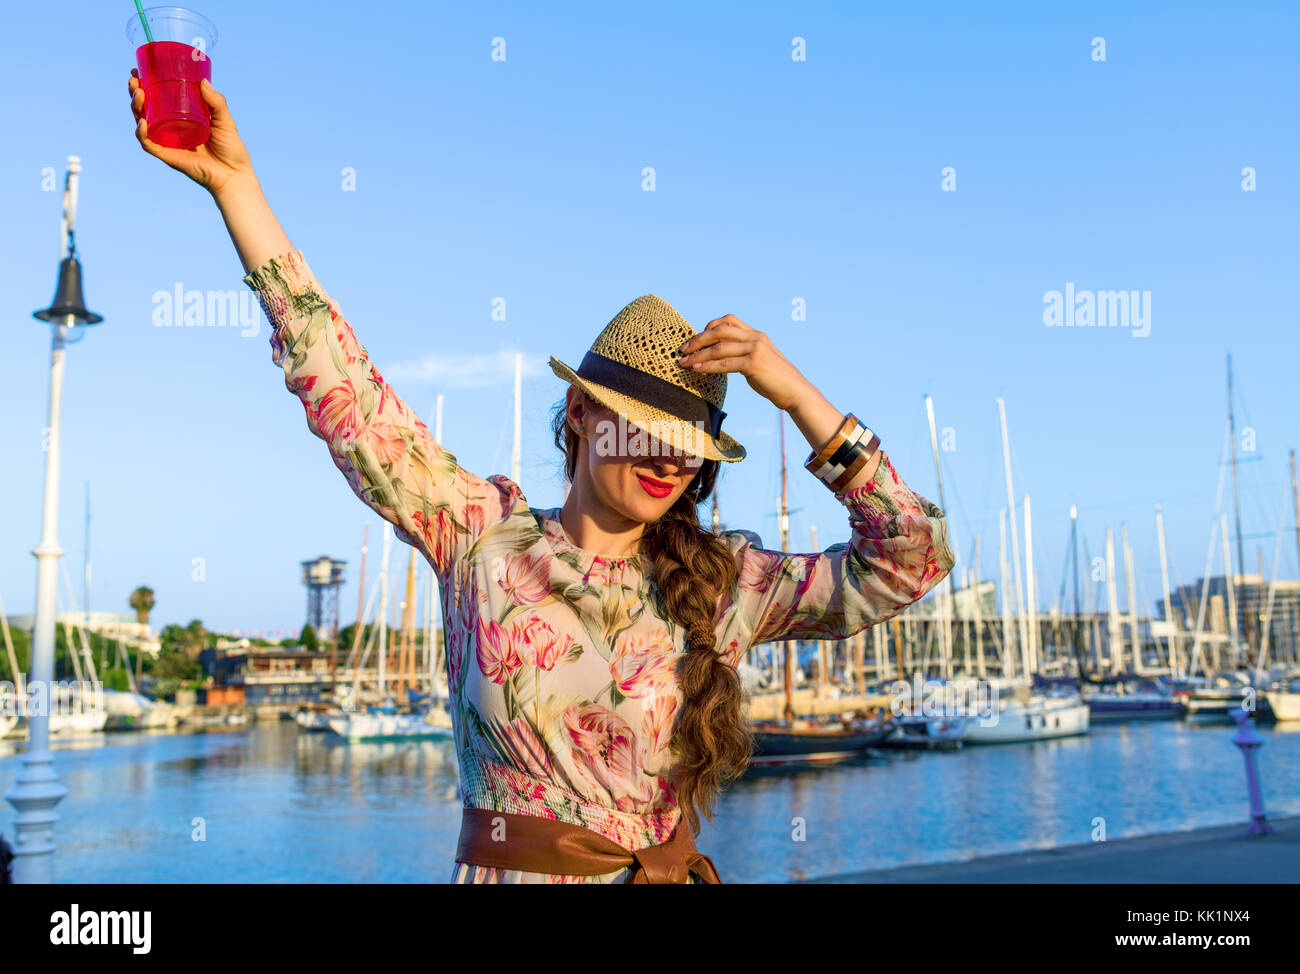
(171, 66)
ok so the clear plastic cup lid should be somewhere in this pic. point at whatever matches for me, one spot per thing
(173, 24)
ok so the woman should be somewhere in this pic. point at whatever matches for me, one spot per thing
(591, 648)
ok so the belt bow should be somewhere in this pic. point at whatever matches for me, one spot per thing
(534, 844)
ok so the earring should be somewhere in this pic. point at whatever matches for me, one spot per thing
(579, 429)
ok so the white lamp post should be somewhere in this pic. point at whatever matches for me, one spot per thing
(37, 788)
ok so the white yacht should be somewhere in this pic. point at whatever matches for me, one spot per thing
(433, 724)
(1039, 717)
(135, 711)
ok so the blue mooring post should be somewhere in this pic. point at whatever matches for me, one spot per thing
(1249, 740)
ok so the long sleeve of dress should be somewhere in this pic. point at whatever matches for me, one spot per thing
(897, 552)
(381, 446)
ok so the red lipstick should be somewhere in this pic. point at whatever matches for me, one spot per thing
(655, 488)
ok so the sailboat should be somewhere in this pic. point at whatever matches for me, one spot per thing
(922, 731)
(131, 710)
(1031, 716)
(1025, 712)
(1282, 698)
(811, 740)
(1117, 696)
(374, 724)
(431, 717)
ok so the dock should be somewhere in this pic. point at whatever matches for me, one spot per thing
(1221, 854)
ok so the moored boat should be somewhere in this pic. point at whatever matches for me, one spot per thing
(1284, 700)
(1041, 717)
(313, 722)
(432, 725)
(134, 711)
(1123, 702)
(811, 742)
(919, 731)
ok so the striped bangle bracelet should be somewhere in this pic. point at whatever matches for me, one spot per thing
(850, 449)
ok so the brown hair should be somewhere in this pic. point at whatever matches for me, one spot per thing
(692, 568)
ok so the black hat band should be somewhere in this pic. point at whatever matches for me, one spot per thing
(652, 390)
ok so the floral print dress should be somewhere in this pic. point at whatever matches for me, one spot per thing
(561, 662)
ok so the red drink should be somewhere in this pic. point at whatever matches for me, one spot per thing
(174, 108)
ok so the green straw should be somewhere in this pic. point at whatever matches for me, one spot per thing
(144, 22)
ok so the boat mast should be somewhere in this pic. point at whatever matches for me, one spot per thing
(1015, 541)
(361, 594)
(1031, 598)
(1074, 554)
(383, 612)
(14, 673)
(1295, 507)
(1114, 637)
(784, 520)
(1236, 502)
(1231, 586)
(945, 595)
(86, 569)
(1135, 643)
(1174, 627)
(407, 664)
(1092, 627)
(1205, 592)
(979, 610)
(1262, 663)
(1004, 579)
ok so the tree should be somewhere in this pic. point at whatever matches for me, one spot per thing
(196, 639)
(307, 639)
(142, 601)
(189, 640)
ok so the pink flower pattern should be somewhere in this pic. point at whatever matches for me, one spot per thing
(526, 578)
(563, 676)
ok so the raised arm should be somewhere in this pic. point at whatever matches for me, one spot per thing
(898, 545)
(897, 552)
(381, 446)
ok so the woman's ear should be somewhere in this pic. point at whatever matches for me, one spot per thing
(574, 408)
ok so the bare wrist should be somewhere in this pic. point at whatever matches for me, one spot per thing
(239, 187)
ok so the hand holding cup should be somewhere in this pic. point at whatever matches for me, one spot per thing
(213, 164)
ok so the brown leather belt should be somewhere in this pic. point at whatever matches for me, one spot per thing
(543, 845)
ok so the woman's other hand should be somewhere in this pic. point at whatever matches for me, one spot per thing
(727, 344)
(214, 163)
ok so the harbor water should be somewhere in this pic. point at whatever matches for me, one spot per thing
(269, 803)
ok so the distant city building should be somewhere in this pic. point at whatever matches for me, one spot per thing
(962, 605)
(1250, 593)
(121, 626)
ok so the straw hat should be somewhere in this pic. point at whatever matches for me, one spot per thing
(632, 368)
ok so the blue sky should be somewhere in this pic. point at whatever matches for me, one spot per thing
(776, 179)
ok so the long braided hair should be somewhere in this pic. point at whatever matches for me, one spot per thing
(692, 568)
